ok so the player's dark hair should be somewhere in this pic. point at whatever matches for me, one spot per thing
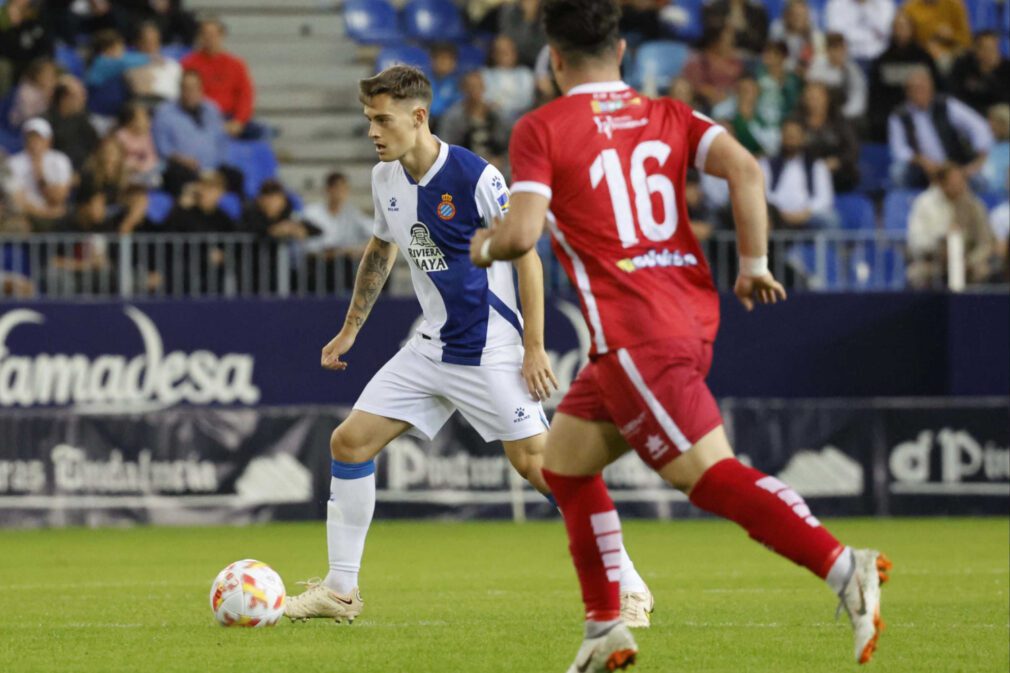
(401, 82)
(335, 177)
(582, 29)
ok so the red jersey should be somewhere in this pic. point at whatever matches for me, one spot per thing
(226, 81)
(614, 165)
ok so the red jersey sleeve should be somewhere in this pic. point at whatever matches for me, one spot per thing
(529, 154)
(701, 131)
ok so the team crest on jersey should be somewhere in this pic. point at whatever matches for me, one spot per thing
(446, 210)
(425, 253)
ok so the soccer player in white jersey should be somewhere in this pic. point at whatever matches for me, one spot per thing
(468, 353)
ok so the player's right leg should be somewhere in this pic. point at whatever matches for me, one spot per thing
(594, 535)
(353, 447)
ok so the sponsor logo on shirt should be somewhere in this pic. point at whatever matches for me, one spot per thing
(423, 250)
(656, 446)
(607, 125)
(653, 259)
(608, 106)
(393, 208)
(446, 210)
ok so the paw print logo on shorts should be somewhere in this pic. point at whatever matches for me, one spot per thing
(521, 415)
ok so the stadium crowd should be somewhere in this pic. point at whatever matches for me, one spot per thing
(123, 117)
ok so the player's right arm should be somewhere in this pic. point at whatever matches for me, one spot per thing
(728, 159)
(376, 263)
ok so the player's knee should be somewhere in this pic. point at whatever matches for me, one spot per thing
(346, 447)
(522, 464)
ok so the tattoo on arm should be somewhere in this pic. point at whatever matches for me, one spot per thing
(375, 267)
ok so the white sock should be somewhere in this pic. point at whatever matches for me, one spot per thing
(348, 516)
(841, 571)
(631, 581)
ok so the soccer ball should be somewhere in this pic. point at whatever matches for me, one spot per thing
(247, 593)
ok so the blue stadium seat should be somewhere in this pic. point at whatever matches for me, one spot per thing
(823, 274)
(983, 15)
(372, 22)
(774, 9)
(159, 205)
(682, 19)
(433, 20)
(231, 204)
(10, 137)
(818, 12)
(877, 267)
(176, 52)
(68, 59)
(897, 206)
(256, 160)
(470, 58)
(855, 211)
(874, 164)
(109, 98)
(659, 62)
(405, 54)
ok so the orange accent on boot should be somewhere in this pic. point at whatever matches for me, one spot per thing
(621, 659)
(884, 566)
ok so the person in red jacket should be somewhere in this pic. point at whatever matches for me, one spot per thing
(225, 76)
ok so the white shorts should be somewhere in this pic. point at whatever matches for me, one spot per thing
(414, 388)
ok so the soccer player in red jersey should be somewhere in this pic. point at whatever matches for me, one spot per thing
(605, 167)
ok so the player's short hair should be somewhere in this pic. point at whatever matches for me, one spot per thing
(400, 82)
(582, 29)
(334, 177)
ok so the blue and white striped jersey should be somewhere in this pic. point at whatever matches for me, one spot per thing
(471, 315)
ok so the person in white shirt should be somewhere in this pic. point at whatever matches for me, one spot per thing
(930, 130)
(344, 229)
(842, 76)
(866, 25)
(510, 86)
(39, 177)
(159, 79)
(799, 187)
(945, 208)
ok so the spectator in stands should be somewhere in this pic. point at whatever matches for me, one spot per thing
(930, 130)
(23, 39)
(865, 24)
(474, 124)
(747, 18)
(174, 23)
(889, 75)
(159, 80)
(743, 113)
(844, 79)
(830, 137)
(980, 77)
(445, 78)
(112, 62)
(225, 78)
(941, 27)
(270, 215)
(997, 165)
(106, 173)
(640, 20)
(682, 90)
(945, 208)
(73, 132)
(34, 93)
(190, 136)
(796, 28)
(780, 87)
(509, 85)
(198, 210)
(344, 229)
(697, 212)
(714, 71)
(84, 263)
(39, 177)
(999, 225)
(800, 195)
(520, 20)
(139, 154)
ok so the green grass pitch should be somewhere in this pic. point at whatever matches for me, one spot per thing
(495, 597)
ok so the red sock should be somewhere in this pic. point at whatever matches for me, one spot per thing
(594, 538)
(771, 512)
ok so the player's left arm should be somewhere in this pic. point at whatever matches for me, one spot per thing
(515, 234)
(536, 370)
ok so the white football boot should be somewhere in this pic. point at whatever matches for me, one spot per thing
(614, 650)
(636, 608)
(861, 600)
(318, 600)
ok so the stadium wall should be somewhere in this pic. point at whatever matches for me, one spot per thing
(204, 412)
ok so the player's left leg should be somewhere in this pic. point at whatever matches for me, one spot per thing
(637, 602)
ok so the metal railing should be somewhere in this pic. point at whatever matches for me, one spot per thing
(57, 266)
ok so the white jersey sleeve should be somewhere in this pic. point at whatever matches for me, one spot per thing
(380, 226)
(491, 195)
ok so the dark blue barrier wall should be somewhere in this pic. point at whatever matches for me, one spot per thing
(267, 352)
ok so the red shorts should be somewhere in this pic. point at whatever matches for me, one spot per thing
(654, 392)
